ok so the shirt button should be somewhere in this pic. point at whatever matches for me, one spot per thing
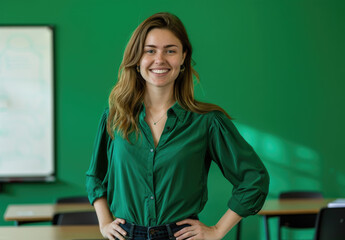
(152, 197)
(151, 150)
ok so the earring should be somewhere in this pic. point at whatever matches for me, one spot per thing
(182, 68)
(138, 68)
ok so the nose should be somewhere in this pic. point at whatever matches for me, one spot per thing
(159, 58)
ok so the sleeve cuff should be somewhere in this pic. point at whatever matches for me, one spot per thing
(95, 189)
(235, 205)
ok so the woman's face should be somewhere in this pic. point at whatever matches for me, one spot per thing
(162, 58)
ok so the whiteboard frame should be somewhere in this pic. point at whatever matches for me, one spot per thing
(49, 177)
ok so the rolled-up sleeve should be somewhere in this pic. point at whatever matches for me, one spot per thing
(96, 176)
(239, 164)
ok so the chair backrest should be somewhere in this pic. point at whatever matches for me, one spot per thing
(330, 224)
(300, 194)
(299, 221)
(75, 199)
(75, 218)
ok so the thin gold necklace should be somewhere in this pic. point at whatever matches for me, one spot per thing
(155, 123)
(160, 119)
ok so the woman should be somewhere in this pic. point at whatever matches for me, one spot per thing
(155, 144)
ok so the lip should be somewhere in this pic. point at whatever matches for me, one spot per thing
(164, 71)
(159, 68)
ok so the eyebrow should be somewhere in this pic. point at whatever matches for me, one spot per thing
(166, 46)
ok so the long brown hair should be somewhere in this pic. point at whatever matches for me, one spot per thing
(125, 100)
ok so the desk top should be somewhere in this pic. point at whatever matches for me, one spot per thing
(293, 206)
(51, 233)
(45, 212)
(42, 212)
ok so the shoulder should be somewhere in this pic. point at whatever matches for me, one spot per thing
(210, 109)
(217, 116)
(106, 111)
(218, 121)
(212, 120)
(102, 123)
(105, 114)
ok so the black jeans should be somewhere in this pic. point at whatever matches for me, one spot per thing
(162, 232)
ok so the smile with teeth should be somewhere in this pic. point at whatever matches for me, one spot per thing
(159, 70)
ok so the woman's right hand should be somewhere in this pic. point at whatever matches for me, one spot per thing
(113, 230)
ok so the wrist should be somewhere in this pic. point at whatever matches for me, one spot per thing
(103, 225)
(219, 233)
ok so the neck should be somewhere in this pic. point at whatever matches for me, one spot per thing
(158, 99)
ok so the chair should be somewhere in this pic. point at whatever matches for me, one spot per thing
(75, 199)
(298, 221)
(330, 224)
(75, 218)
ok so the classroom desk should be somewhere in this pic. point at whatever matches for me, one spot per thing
(276, 208)
(51, 233)
(25, 213)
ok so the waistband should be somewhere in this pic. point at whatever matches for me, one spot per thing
(155, 232)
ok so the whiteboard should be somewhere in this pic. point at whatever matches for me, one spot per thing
(26, 103)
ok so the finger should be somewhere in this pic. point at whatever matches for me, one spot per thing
(184, 230)
(118, 235)
(187, 221)
(110, 235)
(119, 229)
(120, 220)
(187, 235)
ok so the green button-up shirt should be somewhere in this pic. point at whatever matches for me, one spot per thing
(153, 186)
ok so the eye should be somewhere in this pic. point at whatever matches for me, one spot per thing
(149, 51)
(171, 51)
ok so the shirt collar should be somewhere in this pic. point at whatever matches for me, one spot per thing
(175, 109)
(178, 110)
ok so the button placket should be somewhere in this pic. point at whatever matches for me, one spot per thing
(150, 196)
(171, 121)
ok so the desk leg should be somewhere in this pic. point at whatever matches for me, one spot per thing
(266, 227)
(238, 233)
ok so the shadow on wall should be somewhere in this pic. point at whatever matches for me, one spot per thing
(291, 166)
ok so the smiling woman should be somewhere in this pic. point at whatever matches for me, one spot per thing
(163, 57)
(126, 98)
(155, 144)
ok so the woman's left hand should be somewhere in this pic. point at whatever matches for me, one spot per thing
(197, 230)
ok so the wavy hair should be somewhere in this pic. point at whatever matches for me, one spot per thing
(125, 100)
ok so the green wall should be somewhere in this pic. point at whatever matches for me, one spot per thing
(277, 67)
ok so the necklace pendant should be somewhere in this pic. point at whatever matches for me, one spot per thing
(154, 123)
